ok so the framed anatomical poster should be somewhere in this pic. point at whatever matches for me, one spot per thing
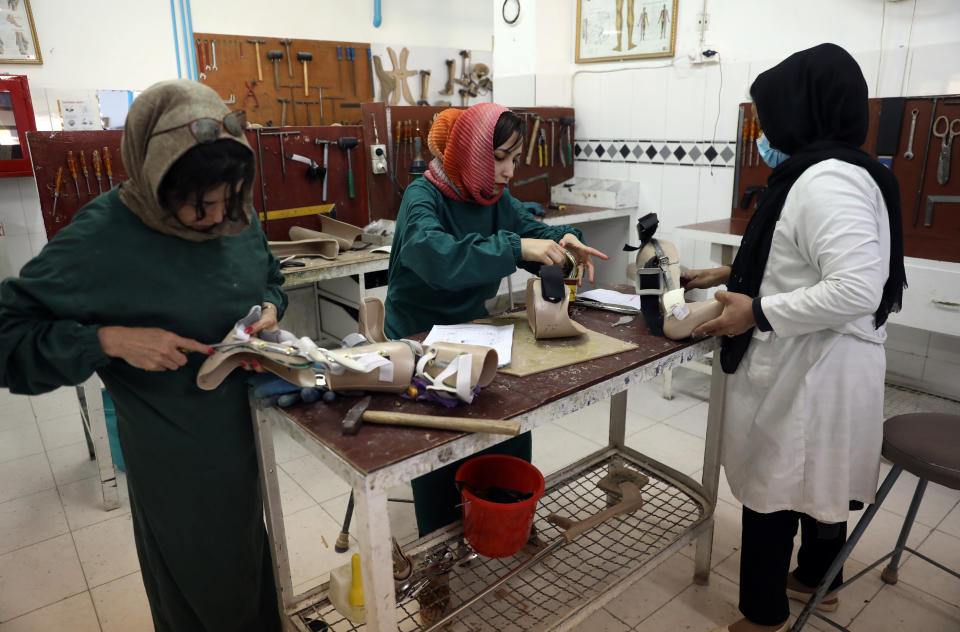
(18, 35)
(614, 30)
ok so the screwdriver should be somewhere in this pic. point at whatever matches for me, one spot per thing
(72, 164)
(56, 192)
(86, 174)
(96, 169)
(747, 129)
(107, 165)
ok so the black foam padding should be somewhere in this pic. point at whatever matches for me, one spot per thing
(551, 283)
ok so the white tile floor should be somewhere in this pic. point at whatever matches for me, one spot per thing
(66, 562)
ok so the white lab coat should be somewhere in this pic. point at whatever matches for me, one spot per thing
(804, 410)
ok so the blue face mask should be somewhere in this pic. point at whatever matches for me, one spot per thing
(771, 156)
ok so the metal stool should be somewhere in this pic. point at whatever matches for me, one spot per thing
(924, 444)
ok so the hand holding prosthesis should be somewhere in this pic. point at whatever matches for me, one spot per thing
(548, 305)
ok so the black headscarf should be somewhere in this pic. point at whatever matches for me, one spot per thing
(812, 106)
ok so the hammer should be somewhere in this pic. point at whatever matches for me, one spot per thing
(275, 56)
(283, 111)
(286, 44)
(359, 414)
(347, 143)
(256, 45)
(566, 122)
(305, 57)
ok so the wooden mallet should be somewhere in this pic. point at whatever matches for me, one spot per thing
(305, 57)
(256, 45)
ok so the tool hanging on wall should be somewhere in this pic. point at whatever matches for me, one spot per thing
(286, 44)
(566, 123)
(320, 90)
(531, 146)
(305, 58)
(937, 199)
(251, 95)
(347, 143)
(373, 79)
(307, 105)
(96, 168)
(86, 174)
(542, 148)
(213, 51)
(283, 111)
(951, 128)
(314, 171)
(72, 165)
(256, 49)
(908, 155)
(351, 57)
(200, 61)
(745, 136)
(326, 157)
(281, 134)
(340, 68)
(56, 193)
(333, 106)
(275, 56)
(108, 165)
(924, 162)
(754, 136)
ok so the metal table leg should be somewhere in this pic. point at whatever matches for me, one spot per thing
(373, 531)
(711, 465)
(95, 424)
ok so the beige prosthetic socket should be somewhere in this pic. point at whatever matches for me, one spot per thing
(370, 319)
(386, 367)
(549, 320)
(295, 369)
(324, 247)
(345, 234)
(455, 370)
(679, 317)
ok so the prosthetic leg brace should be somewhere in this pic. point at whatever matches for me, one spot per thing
(548, 306)
(662, 302)
(382, 366)
(457, 371)
(279, 352)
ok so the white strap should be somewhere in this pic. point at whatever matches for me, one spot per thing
(462, 366)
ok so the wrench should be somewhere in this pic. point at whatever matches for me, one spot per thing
(913, 126)
(213, 46)
(206, 54)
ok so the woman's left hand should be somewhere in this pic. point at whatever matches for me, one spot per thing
(582, 253)
(736, 318)
(268, 319)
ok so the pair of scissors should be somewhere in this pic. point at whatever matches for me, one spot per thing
(950, 129)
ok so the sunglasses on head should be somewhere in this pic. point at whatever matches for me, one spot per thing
(207, 130)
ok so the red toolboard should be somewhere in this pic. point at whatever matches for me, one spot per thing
(48, 151)
(385, 194)
(940, 240)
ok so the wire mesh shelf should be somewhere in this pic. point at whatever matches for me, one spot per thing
(544, 594)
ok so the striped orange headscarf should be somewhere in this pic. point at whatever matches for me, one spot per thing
(462, 143)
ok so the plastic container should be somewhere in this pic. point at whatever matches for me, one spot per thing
(342, 580)
(498, 529)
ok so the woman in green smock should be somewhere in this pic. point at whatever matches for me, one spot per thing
(459, 232)
(133, 288)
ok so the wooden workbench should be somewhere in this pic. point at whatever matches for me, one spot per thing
(381, 457)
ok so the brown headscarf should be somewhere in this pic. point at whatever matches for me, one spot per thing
(163, 106)
(462, 141)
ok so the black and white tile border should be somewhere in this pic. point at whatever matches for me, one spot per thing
(690, 153)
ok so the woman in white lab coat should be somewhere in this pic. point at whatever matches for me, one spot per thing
(819, 269)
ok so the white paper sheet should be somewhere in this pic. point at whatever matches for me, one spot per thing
(500, 338)
(609, 296)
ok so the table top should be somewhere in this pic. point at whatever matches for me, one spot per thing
(346, 263)
(377, 446)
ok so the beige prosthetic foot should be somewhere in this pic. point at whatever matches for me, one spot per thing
(548, 313)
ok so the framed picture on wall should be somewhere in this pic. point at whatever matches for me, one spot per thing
(614, 30)
(18, 35)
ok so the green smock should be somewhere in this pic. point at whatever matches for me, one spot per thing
(447, 260)
(190, 455)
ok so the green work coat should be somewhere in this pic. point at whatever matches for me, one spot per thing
(190, 455)
(448, 257)
(447, 260)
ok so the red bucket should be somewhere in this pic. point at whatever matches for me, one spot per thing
(498, 529)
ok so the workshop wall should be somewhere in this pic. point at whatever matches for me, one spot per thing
(98, 44)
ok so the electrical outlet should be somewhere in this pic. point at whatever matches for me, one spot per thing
(378, 159)
(698, 56)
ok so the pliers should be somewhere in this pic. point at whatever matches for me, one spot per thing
(251, 95)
